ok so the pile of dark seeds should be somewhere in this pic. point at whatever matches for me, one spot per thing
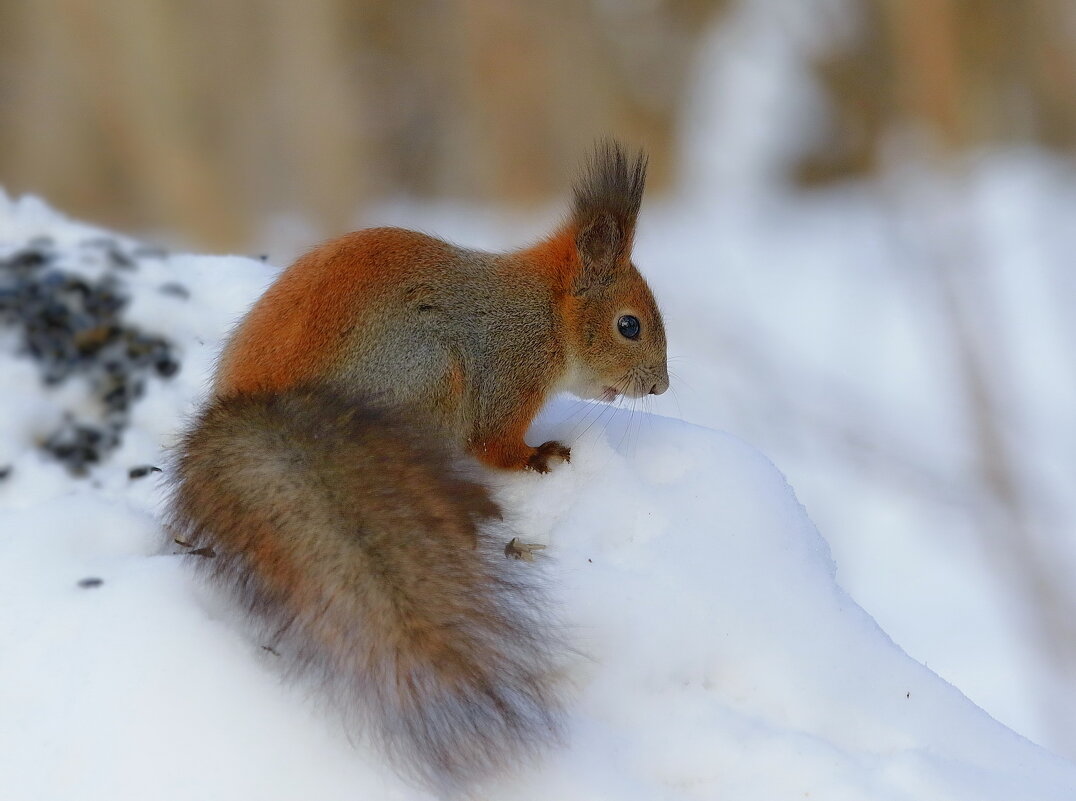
(73, 326)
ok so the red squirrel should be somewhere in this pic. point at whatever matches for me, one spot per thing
(329, 470)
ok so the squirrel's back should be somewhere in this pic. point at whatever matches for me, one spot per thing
(298, 328)
(406, 319)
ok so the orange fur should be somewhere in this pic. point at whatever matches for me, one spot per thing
(326, 471)
(555, 258)
(508, 450)
(298, 326)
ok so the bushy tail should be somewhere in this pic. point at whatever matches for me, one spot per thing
(366, 556)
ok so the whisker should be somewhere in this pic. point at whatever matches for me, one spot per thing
(680, 378)
(625, 431)
(620, 387)
(676, 400)
(579, 407)
(643, 420)
(606, 408)
(592, 407)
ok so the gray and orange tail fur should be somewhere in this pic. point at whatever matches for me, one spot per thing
(372, 565)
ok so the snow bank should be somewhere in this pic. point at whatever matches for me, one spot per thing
(814, 325)
(719, 659)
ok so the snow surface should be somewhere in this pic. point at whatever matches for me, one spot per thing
(719, 657)
(810, 324)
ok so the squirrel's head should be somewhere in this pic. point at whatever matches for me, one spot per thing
(616, 338)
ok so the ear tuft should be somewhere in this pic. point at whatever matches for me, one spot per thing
(607, 196)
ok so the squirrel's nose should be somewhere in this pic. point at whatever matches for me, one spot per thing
(659, 386)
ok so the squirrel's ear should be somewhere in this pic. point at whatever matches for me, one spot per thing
(606, 204)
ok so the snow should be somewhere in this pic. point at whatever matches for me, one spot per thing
(820, 336)
(718, 658)
(811, 325)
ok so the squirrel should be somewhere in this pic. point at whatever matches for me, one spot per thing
(336, 473)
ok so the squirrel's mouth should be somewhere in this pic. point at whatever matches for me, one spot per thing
(609, 394)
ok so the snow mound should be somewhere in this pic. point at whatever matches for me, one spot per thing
(719, 659)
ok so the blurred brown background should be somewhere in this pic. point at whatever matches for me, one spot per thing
(212, 121)
(205, 118)
(217, 124)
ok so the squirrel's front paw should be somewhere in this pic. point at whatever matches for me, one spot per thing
(539, 461)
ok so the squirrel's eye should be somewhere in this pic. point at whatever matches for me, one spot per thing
(629, 326)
